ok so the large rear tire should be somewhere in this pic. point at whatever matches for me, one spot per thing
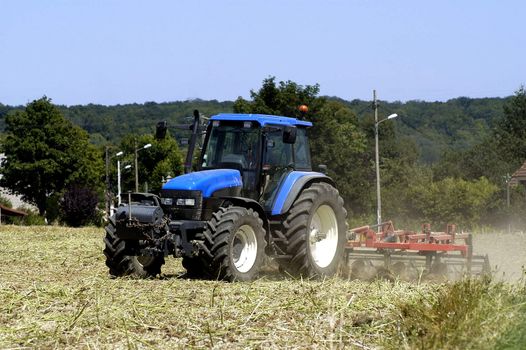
(120, 263)
(238, 244)
(315, 228)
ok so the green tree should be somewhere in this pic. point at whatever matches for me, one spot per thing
(452, 201)
(45, 153)
(283, 99)
(483, 159)
(510, 131)
(5, 202)
(78, 206)
(336, 139)
(398, 157)
(163, 159)
(338, 142)
(496, 155)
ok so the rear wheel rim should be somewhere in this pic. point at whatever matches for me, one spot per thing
(244, 248)
(323, 236)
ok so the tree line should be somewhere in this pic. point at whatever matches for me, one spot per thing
(439, 161)
(435, 127)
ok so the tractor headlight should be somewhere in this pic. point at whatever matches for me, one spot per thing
(188, 202)
(167, 201)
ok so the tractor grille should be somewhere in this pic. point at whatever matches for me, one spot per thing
(178, 204)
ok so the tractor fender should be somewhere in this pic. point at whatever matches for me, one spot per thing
(249, 203)
(292, 186)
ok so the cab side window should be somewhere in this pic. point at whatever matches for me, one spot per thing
(278, 153)
(301, 151)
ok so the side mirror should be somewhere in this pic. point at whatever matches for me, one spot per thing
(323, 168)
(160, 130)
(289, 134)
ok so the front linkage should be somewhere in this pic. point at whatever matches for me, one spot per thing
(140, 236)
(143, 221)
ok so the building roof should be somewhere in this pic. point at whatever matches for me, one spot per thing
(519, 175)
(11, 212)
(262, 119)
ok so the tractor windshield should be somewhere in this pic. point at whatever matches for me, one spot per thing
(232, 145)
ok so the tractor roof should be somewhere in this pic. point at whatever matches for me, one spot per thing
(262, 119)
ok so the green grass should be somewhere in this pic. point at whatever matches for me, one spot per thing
(55, 293)
(469, 314)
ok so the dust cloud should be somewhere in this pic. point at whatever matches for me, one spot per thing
(506, 252)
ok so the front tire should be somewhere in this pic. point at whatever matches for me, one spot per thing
(315, 228)
(120, 263)
(238, 244)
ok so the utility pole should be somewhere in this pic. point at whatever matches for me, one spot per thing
(508, 179)
(136, 167)
(107, 191)
(118, 182)
(377, 161)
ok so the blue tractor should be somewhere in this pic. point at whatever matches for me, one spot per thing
(254, 194)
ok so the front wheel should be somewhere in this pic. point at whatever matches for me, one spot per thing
(315, 228)
(120, 263)
(238, 244)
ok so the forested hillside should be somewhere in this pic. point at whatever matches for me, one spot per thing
(109, 124)
(435, 127)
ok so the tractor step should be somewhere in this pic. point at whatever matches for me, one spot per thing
(280, 256)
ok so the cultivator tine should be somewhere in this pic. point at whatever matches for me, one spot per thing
(469, 242)
(480, 265)
(433, 254)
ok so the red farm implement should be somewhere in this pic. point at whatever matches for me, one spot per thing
(412, 255)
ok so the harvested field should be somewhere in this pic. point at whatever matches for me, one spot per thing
(55, 293)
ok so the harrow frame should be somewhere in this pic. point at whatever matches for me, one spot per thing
(427, 248)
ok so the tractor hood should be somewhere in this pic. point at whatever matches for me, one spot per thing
(206, 181)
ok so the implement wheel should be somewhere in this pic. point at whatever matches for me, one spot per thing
(315, 228)
(238, 244)
(120, 263)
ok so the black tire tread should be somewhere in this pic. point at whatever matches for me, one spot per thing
(119, 263)
(219, 229)
(295, 229)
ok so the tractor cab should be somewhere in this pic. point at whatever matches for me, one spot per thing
(264, 149)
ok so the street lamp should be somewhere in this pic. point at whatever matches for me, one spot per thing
(376, 123)
(108, 194)
(119, 180)
(148, 145)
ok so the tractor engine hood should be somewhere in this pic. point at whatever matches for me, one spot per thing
(206, 181)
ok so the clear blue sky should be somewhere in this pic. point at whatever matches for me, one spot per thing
(115, 52)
